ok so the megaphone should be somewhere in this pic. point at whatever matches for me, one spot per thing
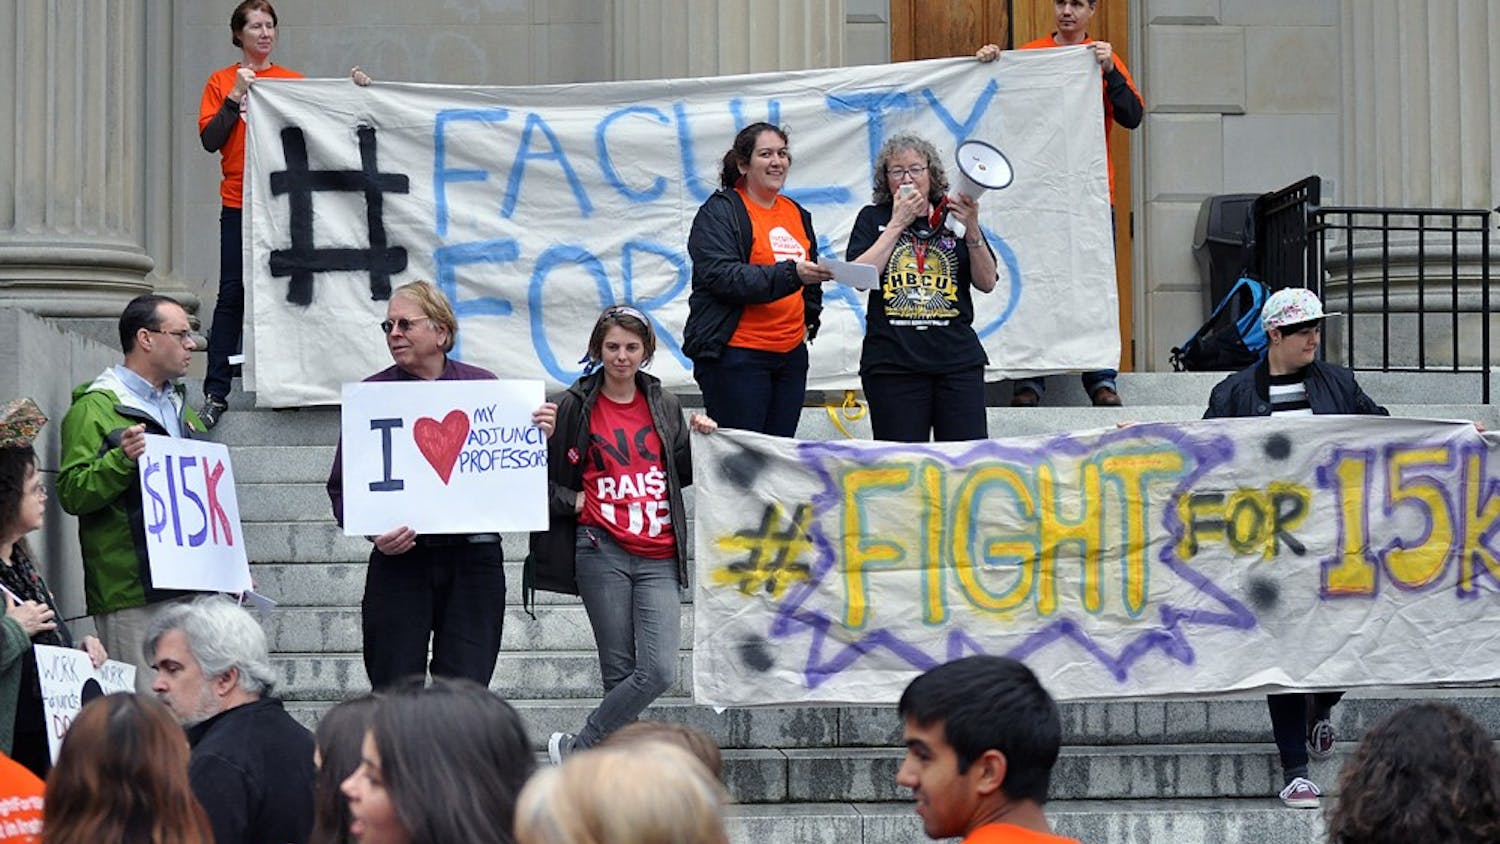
(981, 167)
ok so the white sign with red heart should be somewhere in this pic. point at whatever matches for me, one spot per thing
(443, 457)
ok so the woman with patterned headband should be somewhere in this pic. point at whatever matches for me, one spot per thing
(615, 474)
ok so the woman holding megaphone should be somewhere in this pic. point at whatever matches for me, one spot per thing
(922, 366)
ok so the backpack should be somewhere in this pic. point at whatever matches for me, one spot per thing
(1232, 338)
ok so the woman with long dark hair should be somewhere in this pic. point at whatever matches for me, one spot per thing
(31, 616)
(339, 739)
(757, 294)
(615, 474)
(439, 765)
(122, 778)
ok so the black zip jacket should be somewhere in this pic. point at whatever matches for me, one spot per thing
(551, 563)
(723, 283)
(1330, 389)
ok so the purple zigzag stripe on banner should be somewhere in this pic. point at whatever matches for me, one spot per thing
(1170, 638)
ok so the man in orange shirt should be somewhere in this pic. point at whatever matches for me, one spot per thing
(981, 738)
(1124, 105)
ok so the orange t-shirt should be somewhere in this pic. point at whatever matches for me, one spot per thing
(777, 236)
(1004, 833)
(1050, 41)
(232, 154)
(20, 804)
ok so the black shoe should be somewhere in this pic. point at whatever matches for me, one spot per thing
(212, 411)
(1106, 397)
(1025, 397)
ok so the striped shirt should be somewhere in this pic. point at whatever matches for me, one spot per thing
(1289, 395)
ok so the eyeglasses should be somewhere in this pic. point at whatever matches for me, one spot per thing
(40, 491)
(900, 173)
(185, 336)
(403, 323)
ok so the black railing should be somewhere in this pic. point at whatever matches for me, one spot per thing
(1416, 273)
(1431, 268)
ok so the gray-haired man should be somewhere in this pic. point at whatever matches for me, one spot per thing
(252, 763)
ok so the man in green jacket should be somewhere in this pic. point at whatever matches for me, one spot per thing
(102, 436)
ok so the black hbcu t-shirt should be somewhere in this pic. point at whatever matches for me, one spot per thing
(921, 318)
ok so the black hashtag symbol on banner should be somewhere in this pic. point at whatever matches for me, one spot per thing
(775, 553)
(304, 260)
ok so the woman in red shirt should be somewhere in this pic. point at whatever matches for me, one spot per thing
(616, 468)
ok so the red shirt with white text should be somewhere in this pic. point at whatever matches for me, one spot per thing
(624, 479)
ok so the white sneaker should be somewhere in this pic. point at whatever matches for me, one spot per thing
(1301, 793)
(559, 746)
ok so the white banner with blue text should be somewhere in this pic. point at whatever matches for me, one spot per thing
(533, 208)
(1188, 558)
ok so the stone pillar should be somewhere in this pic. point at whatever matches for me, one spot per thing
(654, 39)
(71, 236)
(1421, 125)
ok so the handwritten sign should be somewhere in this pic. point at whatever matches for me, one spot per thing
(443, 457)
(69, 681)
(534, 207)
(192, 516)
(1160, 559)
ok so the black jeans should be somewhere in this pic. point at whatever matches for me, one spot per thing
(229, 310)
(754, 390)
(1291, 714)
(909, 408)
(453, 594)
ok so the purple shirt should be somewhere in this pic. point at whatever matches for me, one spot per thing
(452, 371)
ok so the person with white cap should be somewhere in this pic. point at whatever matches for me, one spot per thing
(1291, 381)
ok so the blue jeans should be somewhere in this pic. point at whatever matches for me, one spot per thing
(229, 311)
(754, 390)
(1092, 381)
(636, 611)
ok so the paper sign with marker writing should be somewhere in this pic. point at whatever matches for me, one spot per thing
(192, 516)
(443, 457)
(69, 681)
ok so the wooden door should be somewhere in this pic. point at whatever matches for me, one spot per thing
(926, 29)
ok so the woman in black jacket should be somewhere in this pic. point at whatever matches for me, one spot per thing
(1291, 381)
(616, 468)
(756, 290)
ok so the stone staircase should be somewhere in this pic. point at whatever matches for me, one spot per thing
(1131, 771)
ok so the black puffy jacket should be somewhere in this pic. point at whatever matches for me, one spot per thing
(1330, 389)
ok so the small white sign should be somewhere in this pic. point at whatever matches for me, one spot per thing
(192, 516)
(69, 681)
(850, 274)
(443, 457)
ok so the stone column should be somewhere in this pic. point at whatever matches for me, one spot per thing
(654, 39)
(1421, 121)
(71, 236)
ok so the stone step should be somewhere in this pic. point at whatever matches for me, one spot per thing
(1255, 820)
(335, 585)
(1239, 718)
(518, 675)
(563, 627)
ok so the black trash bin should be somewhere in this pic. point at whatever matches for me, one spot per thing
(1222, 244)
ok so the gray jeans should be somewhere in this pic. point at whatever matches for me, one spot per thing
(636, 611)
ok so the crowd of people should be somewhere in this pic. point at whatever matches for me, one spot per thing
(205, 751)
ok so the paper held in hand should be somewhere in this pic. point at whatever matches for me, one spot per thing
(857, 276)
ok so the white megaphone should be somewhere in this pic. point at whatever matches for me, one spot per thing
(981, 167)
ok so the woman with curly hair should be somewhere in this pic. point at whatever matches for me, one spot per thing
(122, 778)
(1427, 773)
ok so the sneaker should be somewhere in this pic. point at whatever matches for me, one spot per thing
(559, 746)
(1025, 397)
(1300, 793)
(212, 411)
(1106, 397)
(1320, 739)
